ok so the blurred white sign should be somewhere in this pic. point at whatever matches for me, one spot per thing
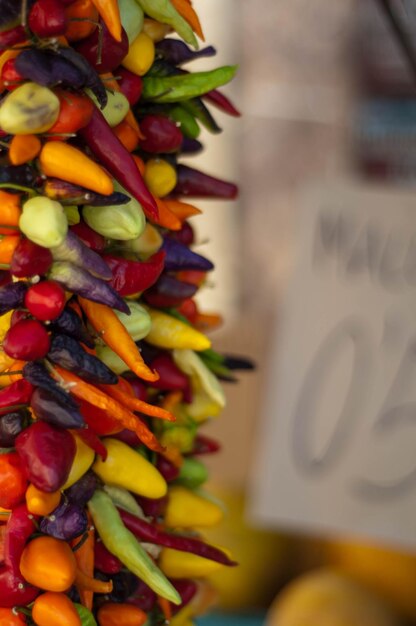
(338, 442)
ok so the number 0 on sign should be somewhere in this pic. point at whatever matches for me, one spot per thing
(337, 452)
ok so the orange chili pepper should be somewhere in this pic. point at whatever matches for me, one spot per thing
(55, 609)
(24, 148)
(48, 563)
(41, 503)
(208, 321)
(84, 557)
(127, 135)
(10, 210)
(165, 606)
(113, 332)
(110, 14)
(8, 244)
(134, 404)
(8, 618)
(195, 277)
(2, 540)
(167, 219)
(75, 112)
(87, 583)
(80, 16)
(189, 14)
(140, 164)
(182, 210)
(94, 396)
(117, 614)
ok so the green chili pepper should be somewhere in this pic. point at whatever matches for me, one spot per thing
(188, 124)
(86, 617)
(124, 500)
(192, 365)
(198, 110)
(185, 86)
(164, 11)
(124, 545)
(193, 473)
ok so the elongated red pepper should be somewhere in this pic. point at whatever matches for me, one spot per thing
(89, 437)
(14, 590)
(218, 99)
(147, 532)
(205, 445)
(196, 184)
(130, 277)
(106, 146)
(14, 395)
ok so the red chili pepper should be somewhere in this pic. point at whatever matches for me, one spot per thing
(168, 470)
(13, 480)
(105, 561)
(14, 590)
(147, 532)
(205, 445)
(196, 184)
(170, 376)
(189, 310)
(11, 37)
(186, 588)
(130, 84)
(101, 422)
(130, 277)
(107, 147)
(222, 102)
(152, 507)
(93, 240)
(10, 76)
(47, 18)
(89, 437)
(14, 395)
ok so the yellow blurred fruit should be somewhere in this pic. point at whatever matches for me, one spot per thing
(261, 556)
(325, 597)
(390, 573)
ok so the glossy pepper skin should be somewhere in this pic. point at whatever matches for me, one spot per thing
(47, 408)
(47, 454)
(130, 277)
(12, 296)
(13, 480)
(16, 394)
(68, 353)
(37, 374)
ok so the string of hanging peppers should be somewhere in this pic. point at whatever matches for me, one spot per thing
(106, 373)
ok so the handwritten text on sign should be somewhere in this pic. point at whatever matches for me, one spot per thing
(338, 445)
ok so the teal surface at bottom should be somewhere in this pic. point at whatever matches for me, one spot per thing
(217, 619)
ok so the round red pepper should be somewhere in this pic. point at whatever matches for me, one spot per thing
(45, 300)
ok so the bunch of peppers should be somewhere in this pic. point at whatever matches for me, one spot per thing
(106, 371)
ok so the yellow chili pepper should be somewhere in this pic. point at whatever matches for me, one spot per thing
(187, 509)
(41, 503)
(155, 30)
(4, 327)
(178, 564)
(84, 458)
(160, 177)
(68, 163)
(124, 467)
(141, 55)
(169, 332)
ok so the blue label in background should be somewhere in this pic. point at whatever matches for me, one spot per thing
(231, 620)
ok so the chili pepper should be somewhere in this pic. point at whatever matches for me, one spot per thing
(192, 365)
(182, 210)
(132, 17)
(185, 235)
(75, 112)
(177, 564)
(48, 69)
(14, 590)
(145, 531)
(41, 503)
(177, 52)
(180, 257)
(27, 340)
(168, 292)
(163, 11)
(186, 509)
(166, 218)
(110, 151)
(156, 30)
(47, 453)
(37, 374)
(65, 522)
(55, 609)
(100, 421)
(168, 332)
(168, 470)
(185, 9)
(124, 467)
(205, 445)
(14, 395)
(13, 481)
(187, 123)
(113, 85)
(126, 419)
(147, 244)
(12, 296)
(11, 37)
(131, 85)
(9, 618)
(10, 212)
(137, 322)
(110, 14)
(103, 51)
(70, 324)
(218, 99)
(187, 589)
(10, 78)
(83, 489)
(24, 175)
(83, 283)
(29, 259)
(47, 18)
(66, 162)
(68, 193)
(43, 221)
(143, 597)
(86, 583)
(136, 404)
(84, 458)
(192, 182)
(192, 474)
(112, 331)
(119, 614)
(105, 561)
(8, 244)
(73, 250)
(82, 19)
(160, 177)
(48, 563)
(85, 558)
(161, 134)
(91, 78)
(116, 222)
(130, 277)
(23, 148)
(197, 108)
(92, 441)
(122, 543)
(153, 508)
(47, 408)
(141, 55)
(124, 499)
(170, 376)
(127, 135)
(11, 424)
(182, 87)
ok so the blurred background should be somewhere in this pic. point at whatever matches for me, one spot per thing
(327, 95)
